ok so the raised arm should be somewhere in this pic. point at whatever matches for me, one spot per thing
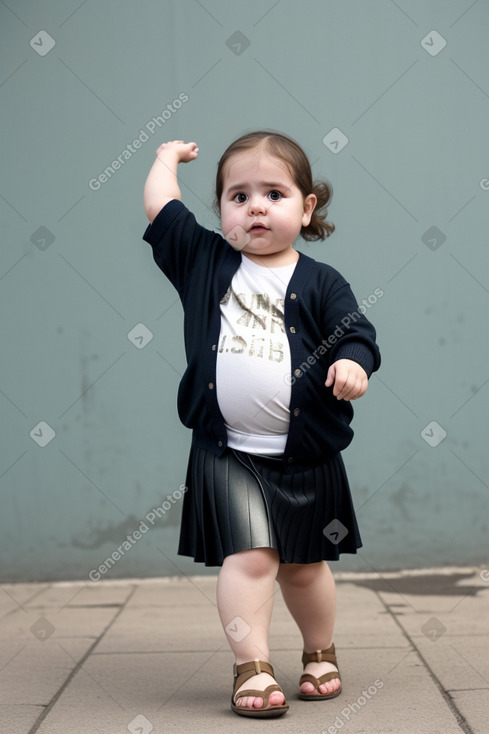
(162, 184)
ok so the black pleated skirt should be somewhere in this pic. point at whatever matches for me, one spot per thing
(241, 501)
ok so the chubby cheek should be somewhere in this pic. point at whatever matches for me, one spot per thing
(288, 227)
(230, 218)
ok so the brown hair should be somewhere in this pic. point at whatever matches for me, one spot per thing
(282, 147)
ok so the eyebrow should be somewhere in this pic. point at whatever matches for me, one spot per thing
(265, 184)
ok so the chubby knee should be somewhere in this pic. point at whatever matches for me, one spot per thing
(256, 563)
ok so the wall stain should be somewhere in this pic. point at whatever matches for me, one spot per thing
(111, 534)
(402, 499)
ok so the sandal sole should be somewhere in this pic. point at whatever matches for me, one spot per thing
(320, 697)
(272, 712)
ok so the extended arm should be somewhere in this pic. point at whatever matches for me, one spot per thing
(162, 184)
(355, 354)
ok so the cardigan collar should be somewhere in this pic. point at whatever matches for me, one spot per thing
(232, 262)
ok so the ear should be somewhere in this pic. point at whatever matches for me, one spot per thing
(310, 202)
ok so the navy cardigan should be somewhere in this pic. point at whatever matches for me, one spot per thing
(322, 321)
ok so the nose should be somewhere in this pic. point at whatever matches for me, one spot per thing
(257, 205)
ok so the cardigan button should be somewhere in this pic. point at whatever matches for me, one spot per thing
(214, 347)
(290, 460)
(296, 412)
(292, 329)
(293, 296)
(297, 373)
(211, 386)
(219, 443)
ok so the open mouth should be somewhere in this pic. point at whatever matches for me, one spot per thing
(258, 228)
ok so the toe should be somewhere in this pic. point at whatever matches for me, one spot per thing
(250, 702)
(332, 686)
(317, 670)
(308, 688)
(276, 699)
(259, 682)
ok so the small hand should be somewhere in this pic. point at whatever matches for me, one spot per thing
(349, 379)
(186, 152)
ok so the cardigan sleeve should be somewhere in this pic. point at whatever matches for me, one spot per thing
(178, 241)
(349, 331)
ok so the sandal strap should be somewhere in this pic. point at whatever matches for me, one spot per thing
(265, 694)
(245, 671)
(320, 656)
(316, 682)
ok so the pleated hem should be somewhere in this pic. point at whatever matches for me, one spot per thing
(239, 502)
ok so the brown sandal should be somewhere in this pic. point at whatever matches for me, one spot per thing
(319, 656)
(244, 672)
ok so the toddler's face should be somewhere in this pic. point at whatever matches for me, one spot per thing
(262, 209)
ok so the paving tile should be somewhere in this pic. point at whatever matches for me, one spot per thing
(35, 673)
(193, 591)
(18, 719)
(14, 596)
(459, 662)
(112, 690)
(164, 628)
(473, 705)
(463, 616)
(165, 661)
(43, 624)
(59, 596)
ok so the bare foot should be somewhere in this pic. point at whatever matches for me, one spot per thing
(259, 682)
(317, 670)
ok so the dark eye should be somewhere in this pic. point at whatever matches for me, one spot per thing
(274, 195)
(240, 198)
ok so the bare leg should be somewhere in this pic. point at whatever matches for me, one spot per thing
(310, 595)
(245, 590)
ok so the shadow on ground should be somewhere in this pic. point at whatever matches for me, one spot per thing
(424, 584)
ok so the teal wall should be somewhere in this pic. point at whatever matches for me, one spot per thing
(410, 206)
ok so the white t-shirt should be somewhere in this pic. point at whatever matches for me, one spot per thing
(253, 359)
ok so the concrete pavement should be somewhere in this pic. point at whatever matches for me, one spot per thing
(142, 656)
